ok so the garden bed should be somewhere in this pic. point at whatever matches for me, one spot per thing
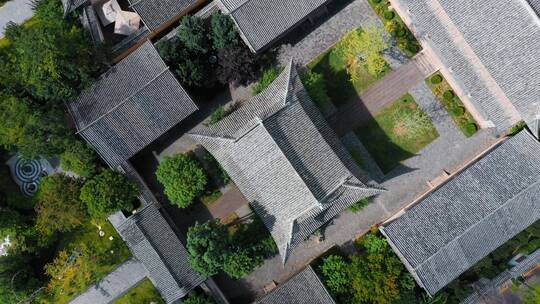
(397, 133)
(406, 41)
(447, 97)
(346, 78)
(143, 293)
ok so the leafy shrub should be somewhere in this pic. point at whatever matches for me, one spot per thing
(108, 192)
(197, 298)
(413, 47)
(517, 128)
(79, 158)
(241, 263)
(217, 115)
(315, 85)
(470, 128)
(389, 15)
(376, 65)
(358, 206)
(267, 78)
(182, 177)
(448, 95)
(375, 1)
(208, 245)
(436, 79)
(223, 32)
(334, 271)
(58, 207)
(458, 110)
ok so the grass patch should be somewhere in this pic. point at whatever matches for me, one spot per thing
(315, 85)
(393, 24)
(397, 132)
(333, 65)
(446, 96)
(98, 255)
(266, 79)
(143, 293)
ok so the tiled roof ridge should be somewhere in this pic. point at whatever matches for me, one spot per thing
(111, 110)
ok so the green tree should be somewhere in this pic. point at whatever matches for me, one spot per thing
(335, 274)
(533, 295)
(208, 245)
(51, 56)
(241, 262)
(223, 32)
(197, 298)
(108, 192)
(28, 131)
(79, 158)
(192, 32)
(182, 177)
(58, 207)
(376, 275)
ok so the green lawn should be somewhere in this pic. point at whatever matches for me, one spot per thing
(101, 256)
(144, 293)
(446, 96)
(406, 41)
(397, 132)
(334, 67)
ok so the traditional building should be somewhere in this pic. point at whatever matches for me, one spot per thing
(488, 52)
(286, 160)
(303, 288)
(155, 244)
(262, 22)
(130, 106)
(471, 215)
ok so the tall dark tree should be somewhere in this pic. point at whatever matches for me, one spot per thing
(223, 33)
(236, 65)
(208, 245)
(192, 32)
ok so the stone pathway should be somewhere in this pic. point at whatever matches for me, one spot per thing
(16, 11)
(229, 202)
(381, 94)
(114, 285)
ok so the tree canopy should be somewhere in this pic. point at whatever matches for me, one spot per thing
(58, 207)
(183, 178)
(79, 158)
(212, 248)
(107, 192)
(223, 32)
(193, 33)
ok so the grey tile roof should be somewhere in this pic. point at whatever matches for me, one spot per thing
(262, 21)
(535, 4)
(130, 106)
(303, 288)
(504, 35)
(286, 161)
(154, 243)
(156, 13)
(71, 5)
(471, 215)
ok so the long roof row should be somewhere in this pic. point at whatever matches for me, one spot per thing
(491, 49)
(471, 215)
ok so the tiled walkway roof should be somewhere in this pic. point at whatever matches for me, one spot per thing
(303, 288)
